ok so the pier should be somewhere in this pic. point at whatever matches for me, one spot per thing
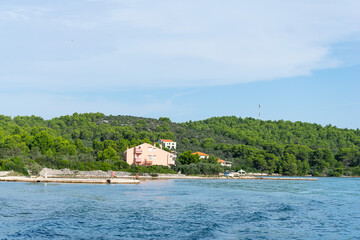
(71, 180)
(286, 178)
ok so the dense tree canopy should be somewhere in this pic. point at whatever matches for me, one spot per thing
(94, 141)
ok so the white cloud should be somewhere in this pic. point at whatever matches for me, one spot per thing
(172, 43)
(49, 105)
(22, 13)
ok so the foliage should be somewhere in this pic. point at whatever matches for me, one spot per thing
(93, 141)
(188, 158)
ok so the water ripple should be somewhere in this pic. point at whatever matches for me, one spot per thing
(177, 209)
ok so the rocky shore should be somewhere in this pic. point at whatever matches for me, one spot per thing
(75, 176)
(67, 173)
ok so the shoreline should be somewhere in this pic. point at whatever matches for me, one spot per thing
(236, 178)
(132, 180)
(119, 177)
(70, 180)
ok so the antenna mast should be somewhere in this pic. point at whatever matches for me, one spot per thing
(259, 112)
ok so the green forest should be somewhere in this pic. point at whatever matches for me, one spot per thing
(93, 141)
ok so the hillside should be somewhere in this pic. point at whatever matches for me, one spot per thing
(95, 141)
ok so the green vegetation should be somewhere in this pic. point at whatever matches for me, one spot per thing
(94, 141)
(191, 164)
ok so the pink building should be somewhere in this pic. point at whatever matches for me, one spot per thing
(147, 154)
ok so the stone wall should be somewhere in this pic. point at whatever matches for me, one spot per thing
(67, 173)
(53, 173)
(4, 173)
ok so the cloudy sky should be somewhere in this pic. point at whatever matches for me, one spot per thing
(188, 59)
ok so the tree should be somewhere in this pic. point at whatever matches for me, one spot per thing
(248, 143)
(271, 163)
(185, 141)
(259, 162)
(165, 119)
(348, 156)
(44, 141)
(108, 153)
(211, 159)
(195, 141)
(289, 166)
(208, 143)
(303, 167)
(188, 158)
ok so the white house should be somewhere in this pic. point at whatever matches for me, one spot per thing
(224, 163)
(170, 144)
(201, 155)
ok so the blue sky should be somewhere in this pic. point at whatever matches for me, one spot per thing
(188, 60)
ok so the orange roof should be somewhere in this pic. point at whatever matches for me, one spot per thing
(201, 154)
(166, 140)
(221, 161)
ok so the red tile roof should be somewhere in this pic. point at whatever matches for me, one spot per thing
(201, 154)
(166, 140)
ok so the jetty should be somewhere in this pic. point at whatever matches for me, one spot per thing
(71, 180)
(287, 178)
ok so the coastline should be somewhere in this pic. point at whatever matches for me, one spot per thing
(132, 180)
(70, 180)
(111, 177)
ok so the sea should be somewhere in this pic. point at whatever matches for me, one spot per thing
(183, 209)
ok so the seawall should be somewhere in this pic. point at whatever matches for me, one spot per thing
(71, 180)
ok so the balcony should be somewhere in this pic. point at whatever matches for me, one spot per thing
(138, 151)
(138, 160)
(148, 162)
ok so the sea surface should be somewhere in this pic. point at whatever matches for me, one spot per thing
(183, 209)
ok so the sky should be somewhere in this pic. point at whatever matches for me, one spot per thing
(186, 60)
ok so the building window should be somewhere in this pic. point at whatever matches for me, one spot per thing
(154, 149)
(149, 157)
(150, 149)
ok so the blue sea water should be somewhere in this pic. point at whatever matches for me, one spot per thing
(183, 209)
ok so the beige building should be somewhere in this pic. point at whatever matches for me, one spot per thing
(147, 154)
